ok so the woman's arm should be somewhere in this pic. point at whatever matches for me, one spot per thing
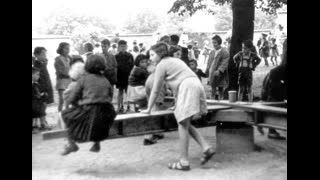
(157, 85)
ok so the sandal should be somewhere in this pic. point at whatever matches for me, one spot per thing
(178, 166)
(207, 155)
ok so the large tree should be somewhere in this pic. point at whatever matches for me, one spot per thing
(243, 13)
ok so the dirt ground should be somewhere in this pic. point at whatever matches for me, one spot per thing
(127, 158)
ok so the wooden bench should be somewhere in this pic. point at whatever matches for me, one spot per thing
(267, 114)
(139, 124)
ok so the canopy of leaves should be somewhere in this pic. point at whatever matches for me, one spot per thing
(143, 22)
(64, 22)
(192, 6)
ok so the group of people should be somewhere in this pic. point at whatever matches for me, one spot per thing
(85, 88)
(271, 45)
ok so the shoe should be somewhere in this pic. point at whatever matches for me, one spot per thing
(69, 149)
(121, 110)
(178, 166)
(149, 142)
(207, 155)
(95, 148)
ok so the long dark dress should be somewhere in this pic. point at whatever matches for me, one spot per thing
(44, 80)
(92, 114)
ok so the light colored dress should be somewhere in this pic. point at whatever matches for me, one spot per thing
(191, 98)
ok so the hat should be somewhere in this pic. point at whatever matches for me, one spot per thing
(264, 34)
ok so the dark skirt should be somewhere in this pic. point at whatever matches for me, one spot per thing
(89, 122)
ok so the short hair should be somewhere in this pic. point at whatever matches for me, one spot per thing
(38, 50)
(35, 70)
(61, 47)
(105, 42)
(95, 64)
(173, 49)
(122, 42)
(189, 46)
(161, 49)
(75, 59)
(135, 49)
(175, 38)
(88, 46)
(139, 58)
(218, 39)
(165, 39)
(193, 61)
(140, 44)
(114, 45)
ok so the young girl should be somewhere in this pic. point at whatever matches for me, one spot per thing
(247, 61)
(137, 79)
(191, 101)
(274, 53)
(91, 114)
(62, 66)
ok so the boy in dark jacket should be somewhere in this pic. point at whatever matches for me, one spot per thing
(125, 65)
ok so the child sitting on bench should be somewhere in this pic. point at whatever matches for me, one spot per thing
(92, 113)
(138, 76)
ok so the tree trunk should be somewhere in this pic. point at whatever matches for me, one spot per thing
(242, 29)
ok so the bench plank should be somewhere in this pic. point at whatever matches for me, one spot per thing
(250, 106)
(135, 123)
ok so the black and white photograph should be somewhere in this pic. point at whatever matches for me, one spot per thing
(159, 89)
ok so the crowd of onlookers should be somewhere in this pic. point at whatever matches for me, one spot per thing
(132, 72)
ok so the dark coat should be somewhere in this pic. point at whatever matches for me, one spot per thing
(125, 65)
(184, 55)
(44, 80)
(275, 84)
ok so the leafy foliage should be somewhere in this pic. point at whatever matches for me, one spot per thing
(143, 22)
(192, 6)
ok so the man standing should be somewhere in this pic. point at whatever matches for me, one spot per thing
(88, 50)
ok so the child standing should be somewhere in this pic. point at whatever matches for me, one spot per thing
(38, 101)
(137, 80)
(91, 114)
(274, 53)
(191, 101)
(40, 62)
(62, 66)
(194, 67)
(247, 61)
(125, 65)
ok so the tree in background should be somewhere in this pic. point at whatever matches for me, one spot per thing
(143, 22)
(174, 23)
(243, 13)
